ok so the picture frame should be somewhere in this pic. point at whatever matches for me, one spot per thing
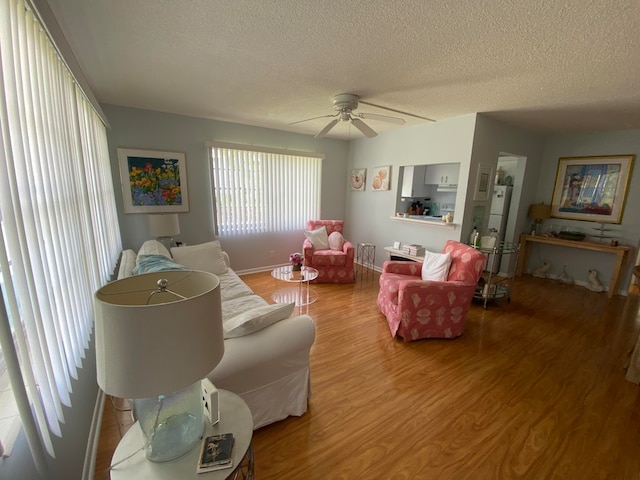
(483, 182)
(592, 189)
(153, 181)
(380, 178)
(357, 179)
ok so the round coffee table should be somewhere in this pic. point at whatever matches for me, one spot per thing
(297, 294)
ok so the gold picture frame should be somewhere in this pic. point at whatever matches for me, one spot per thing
(592, 189)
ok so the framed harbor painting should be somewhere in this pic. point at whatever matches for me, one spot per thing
(592, 189)
(153, 181)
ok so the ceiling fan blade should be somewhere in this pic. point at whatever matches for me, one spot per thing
(382, 118)
(326, 129)
(314, 118)
(363, 127)
(397, 111)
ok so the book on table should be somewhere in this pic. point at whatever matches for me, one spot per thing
(216, 453)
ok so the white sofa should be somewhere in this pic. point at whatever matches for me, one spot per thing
(268, 368)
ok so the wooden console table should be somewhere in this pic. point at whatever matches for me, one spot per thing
(621, 252)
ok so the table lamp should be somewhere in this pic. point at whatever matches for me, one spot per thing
(539, 212)
(163, 226)
(157, 335)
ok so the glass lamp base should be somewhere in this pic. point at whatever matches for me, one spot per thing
(171, 424)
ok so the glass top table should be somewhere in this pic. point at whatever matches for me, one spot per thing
(300, 294)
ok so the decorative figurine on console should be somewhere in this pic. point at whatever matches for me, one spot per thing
(542, 270)
(565, 277)
(594, 283)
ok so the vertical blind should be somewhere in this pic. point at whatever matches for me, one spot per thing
(59, 238)
(264, 190)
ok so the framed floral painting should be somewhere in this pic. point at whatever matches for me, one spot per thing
(357, 179)
(153, 181)
(592, 189)
(380, 178)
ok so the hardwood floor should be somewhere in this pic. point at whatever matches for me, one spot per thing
(534, 389)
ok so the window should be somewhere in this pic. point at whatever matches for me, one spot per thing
(59, 235)
(264, 190)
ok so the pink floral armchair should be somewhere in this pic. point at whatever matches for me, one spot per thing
(334, 266)
(417, 309)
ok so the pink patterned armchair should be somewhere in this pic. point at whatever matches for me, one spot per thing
(416, 308)
(334, 266)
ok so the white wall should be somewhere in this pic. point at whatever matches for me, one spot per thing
(145, 129)
(579, 262)
(368, 215)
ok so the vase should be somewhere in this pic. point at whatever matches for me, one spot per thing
(296, 268)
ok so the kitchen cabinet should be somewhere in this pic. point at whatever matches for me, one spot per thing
(413, 181)
(442, 174)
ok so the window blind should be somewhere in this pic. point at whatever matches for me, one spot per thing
(264, 190)
(59, 235)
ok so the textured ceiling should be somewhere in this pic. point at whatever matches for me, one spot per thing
(550, 67)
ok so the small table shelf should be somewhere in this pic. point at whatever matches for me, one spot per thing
(494, 284)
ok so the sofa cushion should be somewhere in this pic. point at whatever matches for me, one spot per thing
(318, 238)
(127, 264)
(153, 247)
(256, 319)
(436, 266)
(236, 306)
(336, 241)
(155, 263)
(206, 256)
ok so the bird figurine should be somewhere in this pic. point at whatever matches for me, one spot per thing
(542, 270)
(594, 284)
(565, 277)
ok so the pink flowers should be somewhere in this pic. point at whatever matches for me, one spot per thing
(296, 259)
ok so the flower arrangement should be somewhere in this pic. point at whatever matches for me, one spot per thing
(296, 260)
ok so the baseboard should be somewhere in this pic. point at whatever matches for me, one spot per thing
(89, 468)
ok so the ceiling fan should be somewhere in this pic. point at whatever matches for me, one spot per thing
(345, 104)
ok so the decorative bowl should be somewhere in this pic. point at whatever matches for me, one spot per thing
(567, 235)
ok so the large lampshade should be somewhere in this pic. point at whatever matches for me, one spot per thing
(163, 225)
(157, 335)
(152, 344)
(539, 211)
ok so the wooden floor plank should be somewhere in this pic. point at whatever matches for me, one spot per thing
(534, 389)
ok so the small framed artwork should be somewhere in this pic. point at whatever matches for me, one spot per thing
(380, 178)
(153, 181)
(593, 189)
(483, 182)
(357, 179)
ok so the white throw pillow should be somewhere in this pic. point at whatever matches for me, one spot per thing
(206, 256)
(436, 266)
(153, 247)
(336, 241)
(318, 238)
(256, 319)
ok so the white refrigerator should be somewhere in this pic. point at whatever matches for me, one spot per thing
(498, 219)
(500, 209)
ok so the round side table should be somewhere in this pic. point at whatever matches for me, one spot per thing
(129, 461)
(301, 296)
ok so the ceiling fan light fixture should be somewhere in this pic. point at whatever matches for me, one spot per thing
(344, 104)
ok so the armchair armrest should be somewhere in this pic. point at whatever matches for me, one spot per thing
(348, 250)
(413, 269)
(307, 251)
